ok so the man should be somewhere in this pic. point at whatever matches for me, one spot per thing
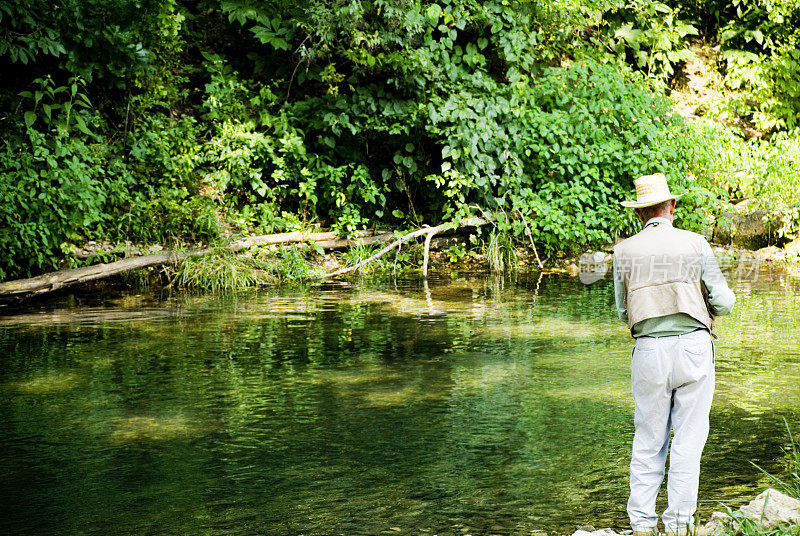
(668, 288)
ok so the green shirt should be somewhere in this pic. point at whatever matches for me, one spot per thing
(720, 298)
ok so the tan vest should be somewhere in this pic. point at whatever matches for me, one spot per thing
(661, 269)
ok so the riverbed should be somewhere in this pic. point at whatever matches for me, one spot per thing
(464, 404)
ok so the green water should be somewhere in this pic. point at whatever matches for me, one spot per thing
(474, 405)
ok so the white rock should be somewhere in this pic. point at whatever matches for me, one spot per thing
(600, 532)
(716, 525)
(792, 248)
(771, 508)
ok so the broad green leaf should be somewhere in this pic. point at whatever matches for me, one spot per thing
(81, 125)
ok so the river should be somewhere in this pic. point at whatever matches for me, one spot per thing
(462, 405)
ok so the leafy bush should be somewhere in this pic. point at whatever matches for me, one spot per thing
(200, 122)
(764, 173)
(55, 183)
(653, 34)
(562, 151)
(759, 49)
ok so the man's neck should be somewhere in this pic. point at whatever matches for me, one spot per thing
(658, 220)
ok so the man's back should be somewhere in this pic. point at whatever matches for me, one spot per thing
(668, 282)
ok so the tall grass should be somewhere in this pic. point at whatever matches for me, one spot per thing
(226, 271)
(221, 271)
(789, 482)
(499, 251)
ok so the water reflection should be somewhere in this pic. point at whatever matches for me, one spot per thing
(475, 405)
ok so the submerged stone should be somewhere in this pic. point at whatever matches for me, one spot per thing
(151, 428)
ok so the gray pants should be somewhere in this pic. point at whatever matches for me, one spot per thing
(672, 380)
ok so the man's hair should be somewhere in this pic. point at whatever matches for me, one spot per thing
(654, 210)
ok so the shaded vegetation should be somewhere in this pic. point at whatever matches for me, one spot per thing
(185, 122)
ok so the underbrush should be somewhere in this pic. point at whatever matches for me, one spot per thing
(224, 271)
(735, 174)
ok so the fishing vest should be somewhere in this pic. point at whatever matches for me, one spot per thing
(661, 268)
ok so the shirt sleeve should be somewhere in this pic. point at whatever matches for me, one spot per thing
(619, 293)
(720, 297)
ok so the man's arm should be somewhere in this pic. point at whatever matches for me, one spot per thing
(720, 297)
(619, 293)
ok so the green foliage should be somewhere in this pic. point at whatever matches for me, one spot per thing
(456, 252)
(56, 185)
(226, 271)
(22, 38)
(653, 34)
(181, 122)
(293, 264)
(123, 41)
(222, 272)
(499, 251)
(576, 141)
(759, 48)
(764, 173)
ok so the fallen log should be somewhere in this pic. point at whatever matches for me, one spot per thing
(63, 278)
(326, 240)
(49, 282)
(362, 241)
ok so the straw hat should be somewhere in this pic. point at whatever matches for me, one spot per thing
(650, 190)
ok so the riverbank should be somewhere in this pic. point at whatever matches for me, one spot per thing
(241, 265)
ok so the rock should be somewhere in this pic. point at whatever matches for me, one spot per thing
(750, 231)
(792, 249)
(770, 253)
(572, 268)
(600, 532)
(771, 508)
(716, 525)
(768, 510)
(593, 266)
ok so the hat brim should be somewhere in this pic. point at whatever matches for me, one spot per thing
(634, 204)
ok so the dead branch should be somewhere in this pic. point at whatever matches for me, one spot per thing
(427, 231)
(530, 236)
(64, 278)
